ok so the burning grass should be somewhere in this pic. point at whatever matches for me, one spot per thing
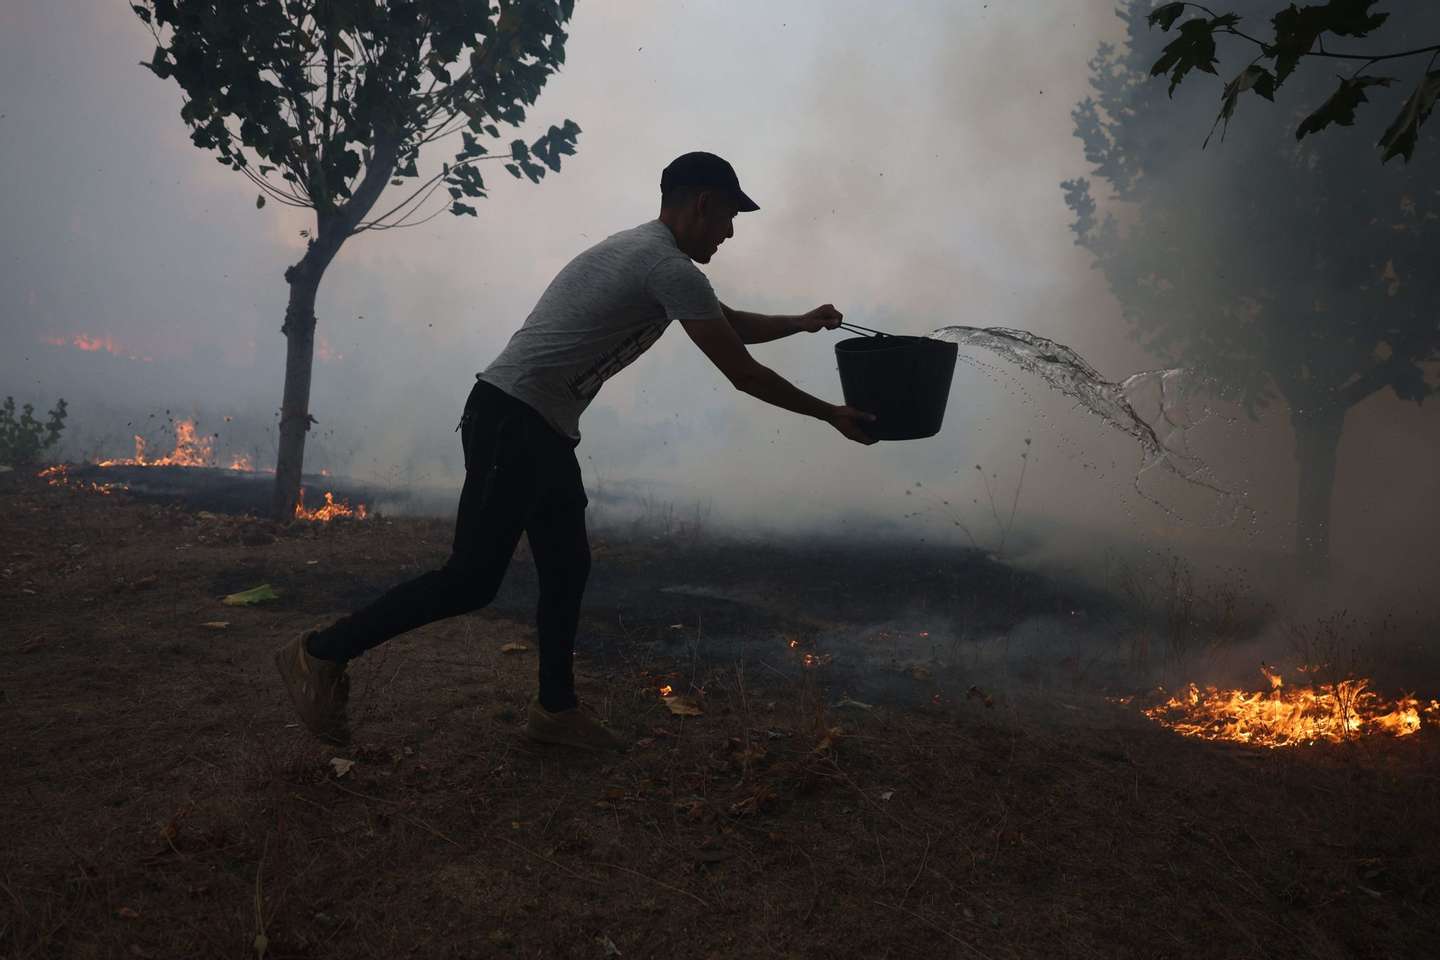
(1282, 716)
(331, 510)
(195, 450)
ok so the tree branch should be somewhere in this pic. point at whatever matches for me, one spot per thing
(1322, 52)
(406, 202)
(290, 200)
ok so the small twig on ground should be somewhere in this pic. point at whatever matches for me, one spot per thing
(406, 817)
(814, 882)
(646, 876)
(938, 929)
(924, 859)
(261, 941)
(553, 863)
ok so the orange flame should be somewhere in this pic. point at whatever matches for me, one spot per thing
(93, 344)
(1286, 717)
(191, 450)
(330, 511)
(666, 690)
(59, 476)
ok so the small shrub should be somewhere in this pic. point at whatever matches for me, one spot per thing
(23, 439)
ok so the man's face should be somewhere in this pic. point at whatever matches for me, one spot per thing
(714, 223)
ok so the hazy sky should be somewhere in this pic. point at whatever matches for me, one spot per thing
(906, 160)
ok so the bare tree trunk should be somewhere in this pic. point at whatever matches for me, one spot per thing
(295, 418)
(333, 227)
(1317, 440)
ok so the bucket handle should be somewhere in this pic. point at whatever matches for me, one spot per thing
(866, 331)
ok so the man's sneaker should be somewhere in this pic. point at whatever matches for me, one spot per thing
(318, 688)
(580, 726)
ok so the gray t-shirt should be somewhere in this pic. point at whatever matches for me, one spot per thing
(604, 309)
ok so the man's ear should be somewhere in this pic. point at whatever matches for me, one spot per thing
(703, 201)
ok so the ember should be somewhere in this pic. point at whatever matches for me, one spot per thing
(1287, 717)
(330, 511)
(59, 476)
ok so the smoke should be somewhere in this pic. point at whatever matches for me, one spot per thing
(907, 165)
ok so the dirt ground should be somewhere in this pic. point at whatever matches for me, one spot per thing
(159, 799)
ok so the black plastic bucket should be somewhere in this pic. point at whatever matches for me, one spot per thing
(903, 381)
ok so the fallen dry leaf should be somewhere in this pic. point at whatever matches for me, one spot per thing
(828, 741)
(683, 706)
(341, 765)
(515, 647)
(753, 803)
(216, 624)
(128, 913)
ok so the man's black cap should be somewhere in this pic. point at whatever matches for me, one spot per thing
(705, 170)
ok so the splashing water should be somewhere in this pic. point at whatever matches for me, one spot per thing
(1164, 437)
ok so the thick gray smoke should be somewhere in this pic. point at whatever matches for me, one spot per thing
(907, 164)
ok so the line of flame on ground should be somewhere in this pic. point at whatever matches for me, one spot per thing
(330, 511)
(192, 449)
(1291, 716)
(58, 475)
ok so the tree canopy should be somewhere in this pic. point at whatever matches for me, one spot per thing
(1287, 270)
(334, 95)
(1299, 33)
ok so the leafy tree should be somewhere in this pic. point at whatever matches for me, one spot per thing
(23, 439)
(324, 103)
(1299, 33)
(1286, 271)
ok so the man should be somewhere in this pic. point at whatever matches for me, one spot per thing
(520, 428)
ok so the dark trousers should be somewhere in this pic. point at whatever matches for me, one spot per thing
(521, 476)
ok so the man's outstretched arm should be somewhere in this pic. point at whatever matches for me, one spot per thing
(764, 327)
(721, 344)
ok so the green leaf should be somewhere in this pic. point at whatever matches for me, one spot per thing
(1400, 136)
(1351, 18)
(1193, 49)
(1340, 108)
(514, 170)
(1298, 28)
(1253, 77)
(158, 64)
(1166, 15)
(459, 208)
(259, 201)
(142, 12)
(247, 598)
